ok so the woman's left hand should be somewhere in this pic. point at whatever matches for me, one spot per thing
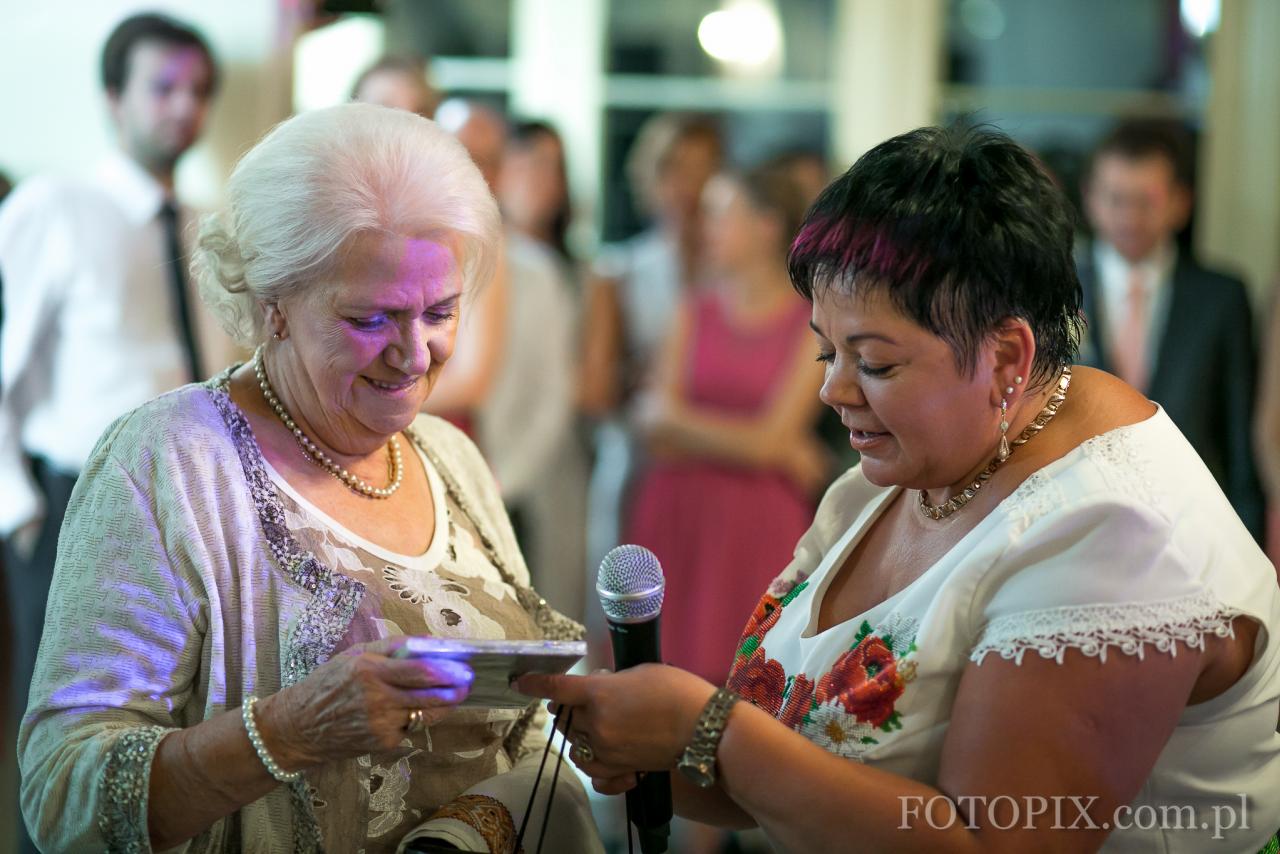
(640, 719)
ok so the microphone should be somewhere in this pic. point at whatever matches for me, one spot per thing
(630, 585)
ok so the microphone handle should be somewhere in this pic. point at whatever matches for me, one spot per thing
(650, 806)
(650, 801)
(635, 643)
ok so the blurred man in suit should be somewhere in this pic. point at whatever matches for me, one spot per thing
(1175, 330)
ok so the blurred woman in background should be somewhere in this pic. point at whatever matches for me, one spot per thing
(528, 426)
(533, 188)
(734, 460)
(728, 423)
(632, 296)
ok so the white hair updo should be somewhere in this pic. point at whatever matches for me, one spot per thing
(319, 179)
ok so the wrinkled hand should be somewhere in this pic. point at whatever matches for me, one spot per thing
(640, 719)
(358, 702)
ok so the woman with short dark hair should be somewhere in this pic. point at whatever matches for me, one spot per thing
(1029, 615)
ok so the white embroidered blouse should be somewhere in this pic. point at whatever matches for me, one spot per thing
(1125, 546)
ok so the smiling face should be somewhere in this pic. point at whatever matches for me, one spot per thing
(917, 419)
(362, 353)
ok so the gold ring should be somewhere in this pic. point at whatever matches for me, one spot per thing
(581, 752)
(417, 721)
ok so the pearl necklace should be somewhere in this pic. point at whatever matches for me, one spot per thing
(395, 466)
(946, 508)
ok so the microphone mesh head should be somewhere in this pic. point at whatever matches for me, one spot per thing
(632, 572)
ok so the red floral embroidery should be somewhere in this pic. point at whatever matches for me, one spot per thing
(760, 681)
(767, 612)
(865, 681)
(798, 702)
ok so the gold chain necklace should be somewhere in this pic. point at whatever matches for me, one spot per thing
(946, 508)
(395, 464)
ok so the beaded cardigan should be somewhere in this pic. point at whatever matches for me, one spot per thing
(179, 591)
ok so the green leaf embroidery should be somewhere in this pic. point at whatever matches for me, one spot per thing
(863, 630)
(894, 721)
(793, 593)
(749, 646)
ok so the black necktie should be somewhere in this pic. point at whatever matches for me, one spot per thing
(178, 280)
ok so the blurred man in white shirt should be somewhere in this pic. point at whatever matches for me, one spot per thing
(99, 315)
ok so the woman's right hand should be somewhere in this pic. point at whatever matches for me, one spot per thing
(358, 702)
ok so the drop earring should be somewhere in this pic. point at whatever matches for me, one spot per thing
(1003, 453)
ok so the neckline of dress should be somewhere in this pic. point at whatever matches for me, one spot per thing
(439, 497)
(429, 558)
(825, 572)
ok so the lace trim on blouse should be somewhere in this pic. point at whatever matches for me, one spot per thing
(126, 776)
(334, 597)
(1093, 629)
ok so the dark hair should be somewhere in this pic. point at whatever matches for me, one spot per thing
(1138, 139)
(772, 188)
(961, 228)
(523, 135)
(149, 27)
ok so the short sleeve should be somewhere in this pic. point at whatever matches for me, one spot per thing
(1102, 575)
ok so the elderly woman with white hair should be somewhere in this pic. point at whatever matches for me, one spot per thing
(242, 558)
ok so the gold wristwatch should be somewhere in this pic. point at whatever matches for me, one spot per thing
(699, 760)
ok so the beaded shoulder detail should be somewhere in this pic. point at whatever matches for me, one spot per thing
(1127, 628)
(334, 597)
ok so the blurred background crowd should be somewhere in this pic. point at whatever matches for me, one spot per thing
(640, 370)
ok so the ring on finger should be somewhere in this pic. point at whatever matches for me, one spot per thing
(581, 751)
(417, 721)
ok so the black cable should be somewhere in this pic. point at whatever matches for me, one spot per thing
(627, 802)
(555, 777)
(528, 808)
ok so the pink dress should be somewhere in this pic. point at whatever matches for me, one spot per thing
(721, 531)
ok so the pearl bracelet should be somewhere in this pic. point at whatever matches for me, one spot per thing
(255, 738)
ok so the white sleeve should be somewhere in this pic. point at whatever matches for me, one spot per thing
(36, 259)
(1101, 575)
